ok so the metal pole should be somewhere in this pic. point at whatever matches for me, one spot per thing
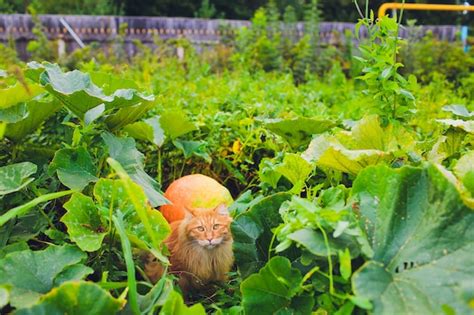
(464, 31)
(73, 34)
(420, 6)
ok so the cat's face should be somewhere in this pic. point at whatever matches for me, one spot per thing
(209, 228)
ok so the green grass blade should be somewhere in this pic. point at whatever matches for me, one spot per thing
(127, 253)
(24, 208)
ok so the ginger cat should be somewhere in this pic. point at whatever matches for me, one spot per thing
(201, 249)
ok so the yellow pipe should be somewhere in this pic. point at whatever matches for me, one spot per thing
(420, 6)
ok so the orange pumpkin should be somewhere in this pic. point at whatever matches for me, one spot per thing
(193, 192)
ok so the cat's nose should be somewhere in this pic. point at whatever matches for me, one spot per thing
(210, 240)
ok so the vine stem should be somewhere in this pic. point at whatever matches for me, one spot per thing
(395, 55)
(328, 248)
(309, 274)
(159, 170)
(358, 9)
(270, 247)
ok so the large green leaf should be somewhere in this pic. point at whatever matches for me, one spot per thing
(18, 93)
(272, 290)
(314, 242)
(75, 298)
(77, 91)
(14, 113)
(467, 126)
(37, 112)
(303, 220)
(83, 222)
(327, 152)
(110, 82)
(190, 148)
(32, 273)
(16, 176)
(74, 167)
(368, 134)
(176, 123)
(458, 110)
(14, 247)
(298, 131)
(464, 169)
(267, 172)
(252, 232)
(296, 170)
(149, 130)
(73, 272)
(4, 295)
(127, 115)
(422, 237)
(447, 145)
(174, 305)
(124, 151)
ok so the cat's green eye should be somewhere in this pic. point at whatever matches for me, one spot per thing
(200, 228)
(215, 226)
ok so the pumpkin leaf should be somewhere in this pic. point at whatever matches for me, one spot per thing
(190, 148)
(124, 151)
(467, 126)
(77, 92)
(252, 232)
(417, 226)
(298, 131)
(14, 113)
(14, 177)
(174, 305)
(327, 152)
(74, 272)
(148, 130)
(458, 110)
(313, 241)
(127, 115)
(176, 123)
(37, 112)
(267, 173)
(464, 170)
(368, 134)
(4, 295)
(74, 167)
(18, 93)
(296, 170)
(14, 247)
(32, 273)
(110, 82)
(78, 297)
(83, 222)
(273, 289)
(74, 89)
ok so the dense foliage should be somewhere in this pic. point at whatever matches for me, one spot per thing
(353, 177)
(332, 10)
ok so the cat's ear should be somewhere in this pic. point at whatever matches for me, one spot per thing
(188, 214)
(222, 209)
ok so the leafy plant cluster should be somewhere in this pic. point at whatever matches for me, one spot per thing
(273, 42)
(353, 196)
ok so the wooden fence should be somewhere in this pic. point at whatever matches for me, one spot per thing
(201, 32)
